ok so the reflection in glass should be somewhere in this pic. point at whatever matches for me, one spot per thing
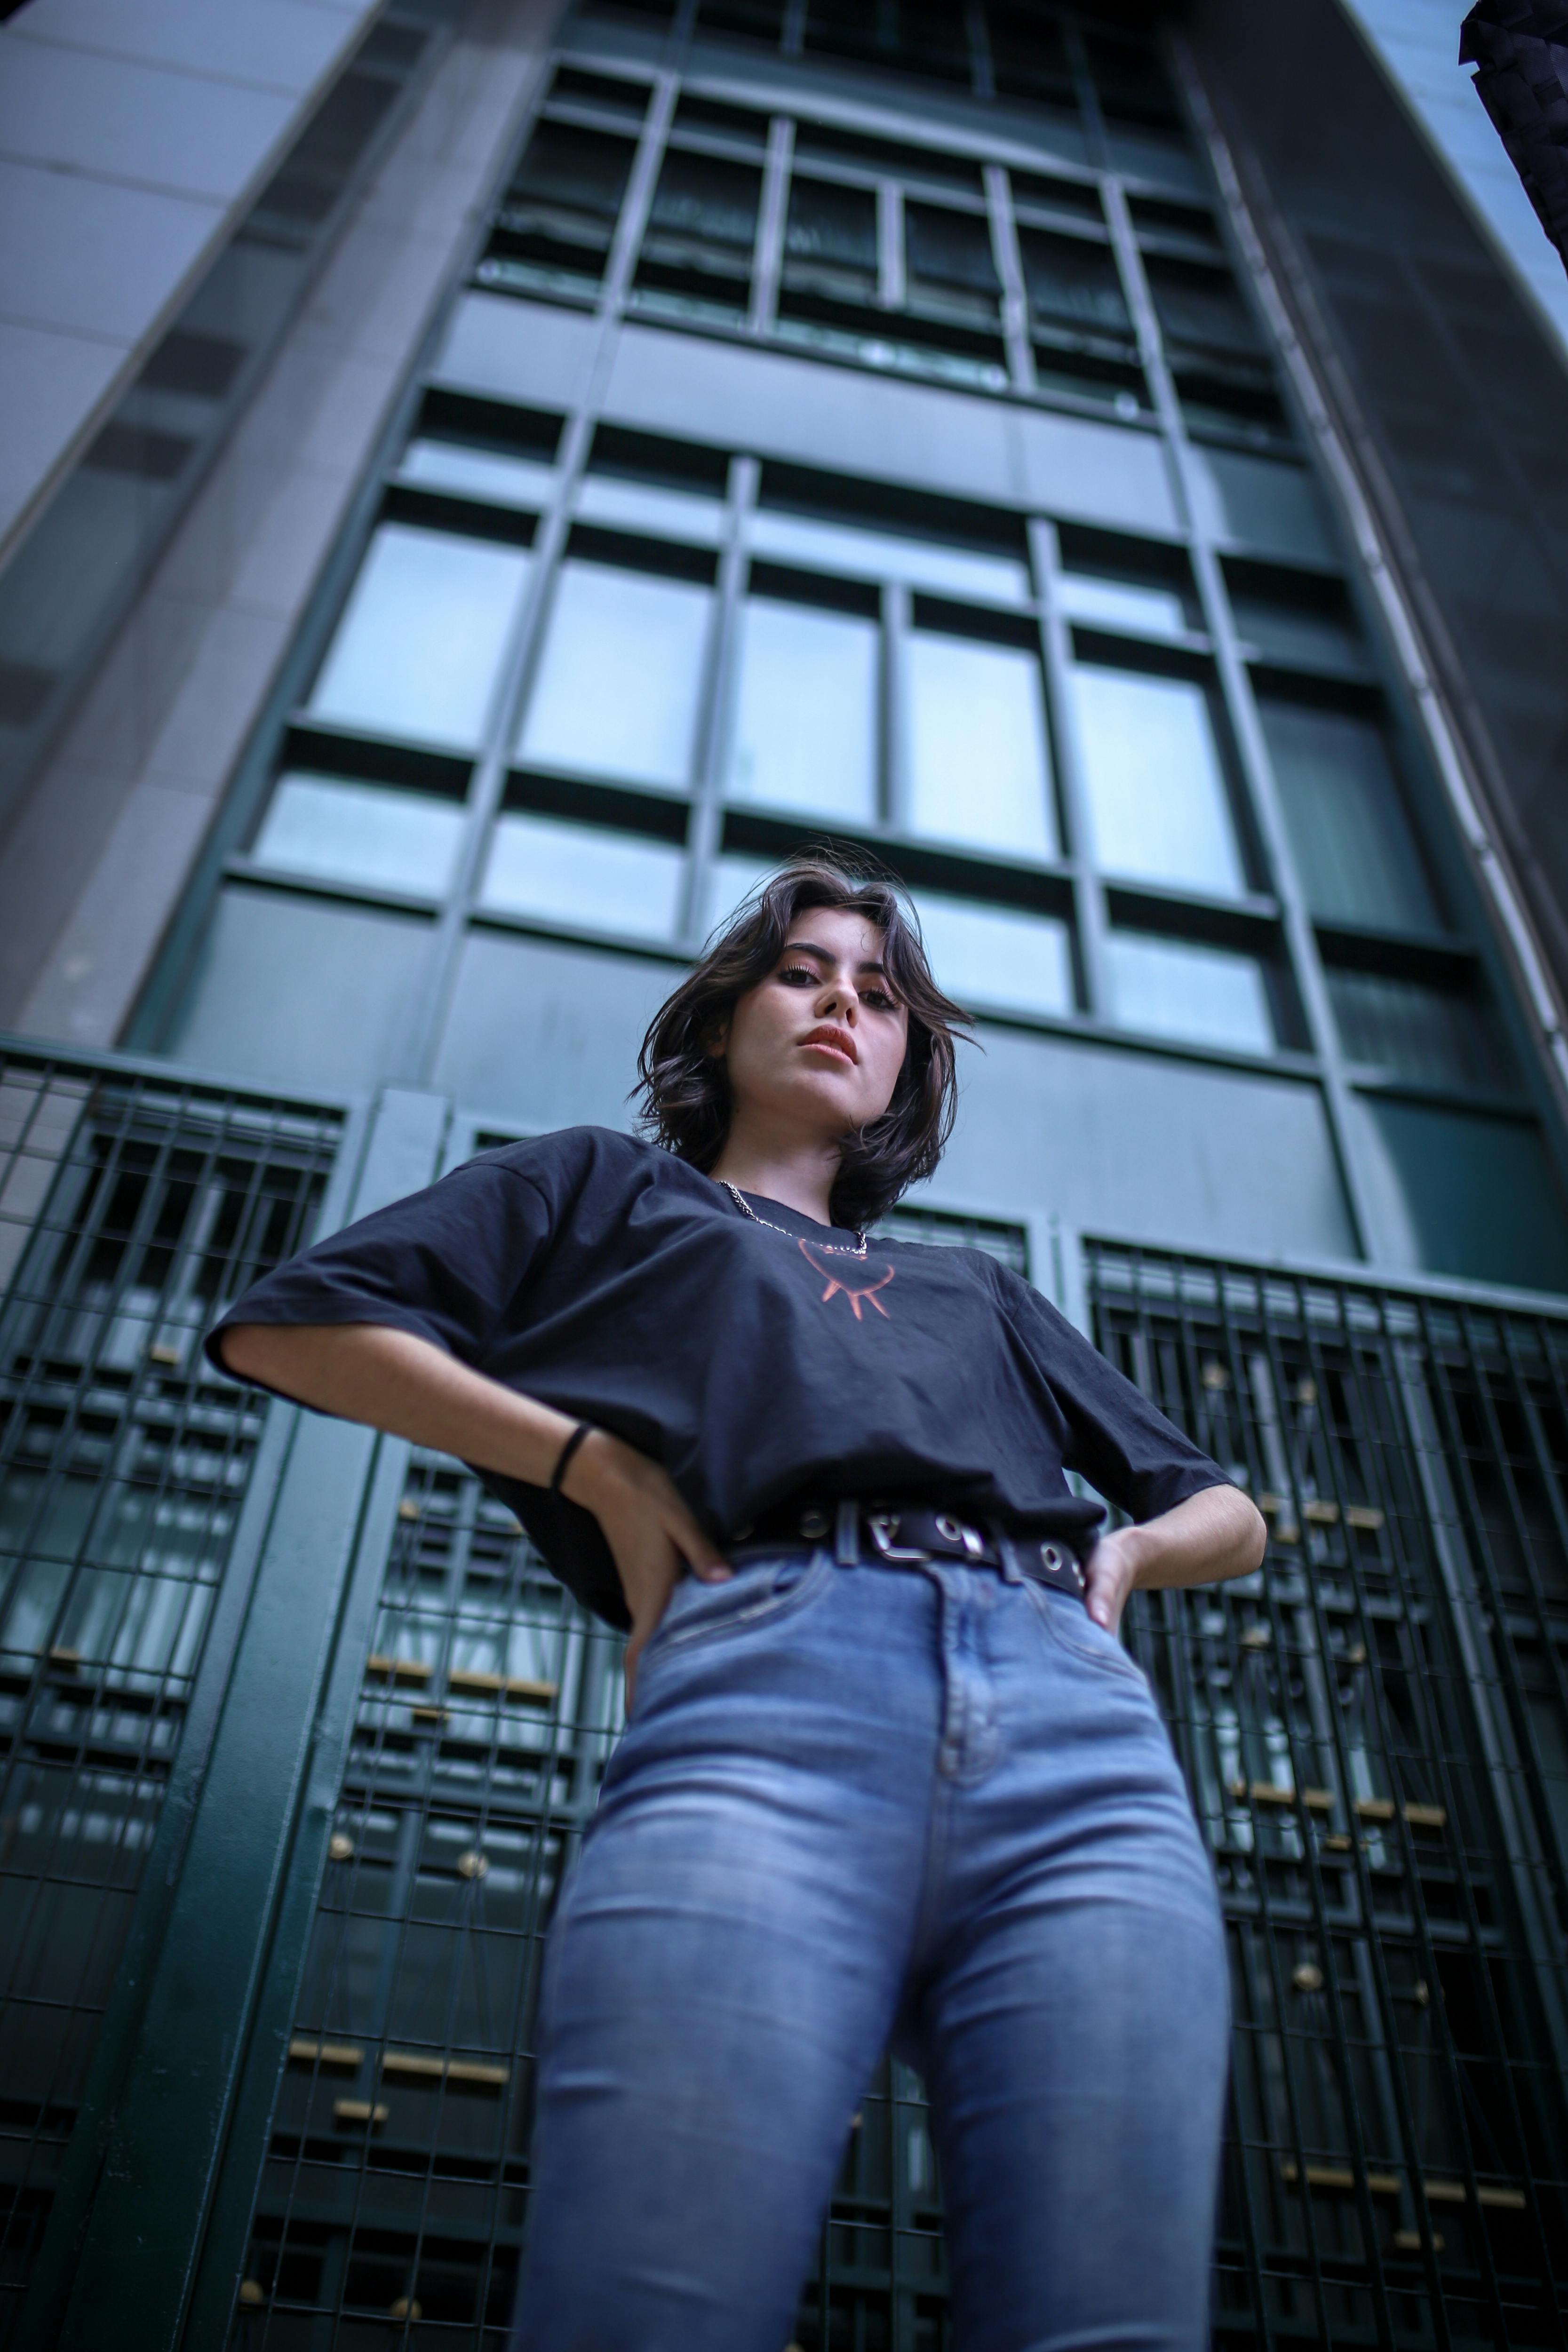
(584, 874)
(806, 727)
(417, 649)
(639, 506)
(1353, 845)
(617, 688)
(1156, 790)
(950, 257)
(374, 834)
(1072, 282)
(1173, 989)
(998, 955)
(485, 474)
(1122, 604)
(979, 771)
(830, 240)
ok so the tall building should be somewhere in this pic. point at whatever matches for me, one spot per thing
(485, 482)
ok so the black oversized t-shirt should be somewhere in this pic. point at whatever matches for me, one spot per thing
(607, 1279)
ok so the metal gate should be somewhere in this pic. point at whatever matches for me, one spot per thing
(393, 1737)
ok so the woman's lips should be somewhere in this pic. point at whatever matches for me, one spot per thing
(838, 1041)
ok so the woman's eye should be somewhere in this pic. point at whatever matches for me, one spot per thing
(798, 972)
(879, 998)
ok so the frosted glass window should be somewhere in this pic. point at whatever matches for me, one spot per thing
(418, 648)
(1172, 989)
(478, 474)
(1353, 845)
(979, 771)
(584, 874)
(362, 833)
(617, 688)
(1156, 790)
(998, 955)
(806, 724)
(1122, 604)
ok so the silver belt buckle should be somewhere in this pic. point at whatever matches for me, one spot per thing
(884, 1526)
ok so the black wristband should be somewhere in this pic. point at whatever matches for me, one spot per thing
(562, 1460)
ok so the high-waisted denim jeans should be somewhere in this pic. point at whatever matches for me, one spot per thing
(929, 1807)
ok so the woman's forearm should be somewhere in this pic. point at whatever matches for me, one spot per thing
(1211, 1536)
(406, 1386)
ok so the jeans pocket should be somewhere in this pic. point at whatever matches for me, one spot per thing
(755, 1595)
(1072, 1628)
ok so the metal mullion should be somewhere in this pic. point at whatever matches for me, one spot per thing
(716, 701)
(767, 267)
(892, 285)
(1091, 913)
(1010, 268)
(1246, 729)
(792, 31)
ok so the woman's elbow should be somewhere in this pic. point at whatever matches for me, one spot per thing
(1251, 1539)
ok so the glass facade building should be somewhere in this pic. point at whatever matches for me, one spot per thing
(886, 424)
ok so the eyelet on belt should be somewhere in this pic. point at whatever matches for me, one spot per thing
(948, 1528)
(1050, 1557)
(813, 1524)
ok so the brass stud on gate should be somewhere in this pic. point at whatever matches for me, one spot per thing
(340, 1847)
(1307, 1978)
(251, 2292)
(473, 1864)
(405, 2308)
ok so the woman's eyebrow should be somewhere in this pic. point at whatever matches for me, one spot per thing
(809, 947)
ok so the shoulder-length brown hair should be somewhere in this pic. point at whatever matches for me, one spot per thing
(684, 1087)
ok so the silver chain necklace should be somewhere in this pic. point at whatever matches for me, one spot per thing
(828, 1249)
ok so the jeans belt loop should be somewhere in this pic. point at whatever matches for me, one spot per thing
(846, 1533)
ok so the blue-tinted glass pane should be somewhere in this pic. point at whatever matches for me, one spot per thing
(1156, 790)
(1353, 845)
(805, 725)
(301, 992)
(998, 955)
(733, 879)
(584, 874)
(1172, 989)
(618, 685)
(417, 651)
(361, 833)
(1465, 1195)
(979, 769)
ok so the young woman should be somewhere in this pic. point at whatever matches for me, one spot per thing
(890, 1778)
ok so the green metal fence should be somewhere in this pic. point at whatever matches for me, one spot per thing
(324, 1734)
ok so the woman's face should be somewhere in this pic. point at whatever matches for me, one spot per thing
(818, 1044)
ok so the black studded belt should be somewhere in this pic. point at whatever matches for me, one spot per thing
(1050, 1550)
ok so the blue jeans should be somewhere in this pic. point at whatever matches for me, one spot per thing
(929, 1807)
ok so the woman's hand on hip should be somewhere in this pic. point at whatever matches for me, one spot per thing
(652, 1535)
(1109, 1575)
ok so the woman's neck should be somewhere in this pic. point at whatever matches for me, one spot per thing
(799, 1171)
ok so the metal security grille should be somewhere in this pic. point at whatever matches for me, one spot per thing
(1374, 1728)
(392, 2199)
(130, 1210)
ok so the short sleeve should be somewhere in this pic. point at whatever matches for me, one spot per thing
(1116, 1438)
(444, 1264)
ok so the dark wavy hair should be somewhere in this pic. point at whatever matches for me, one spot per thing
(683, 1088)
